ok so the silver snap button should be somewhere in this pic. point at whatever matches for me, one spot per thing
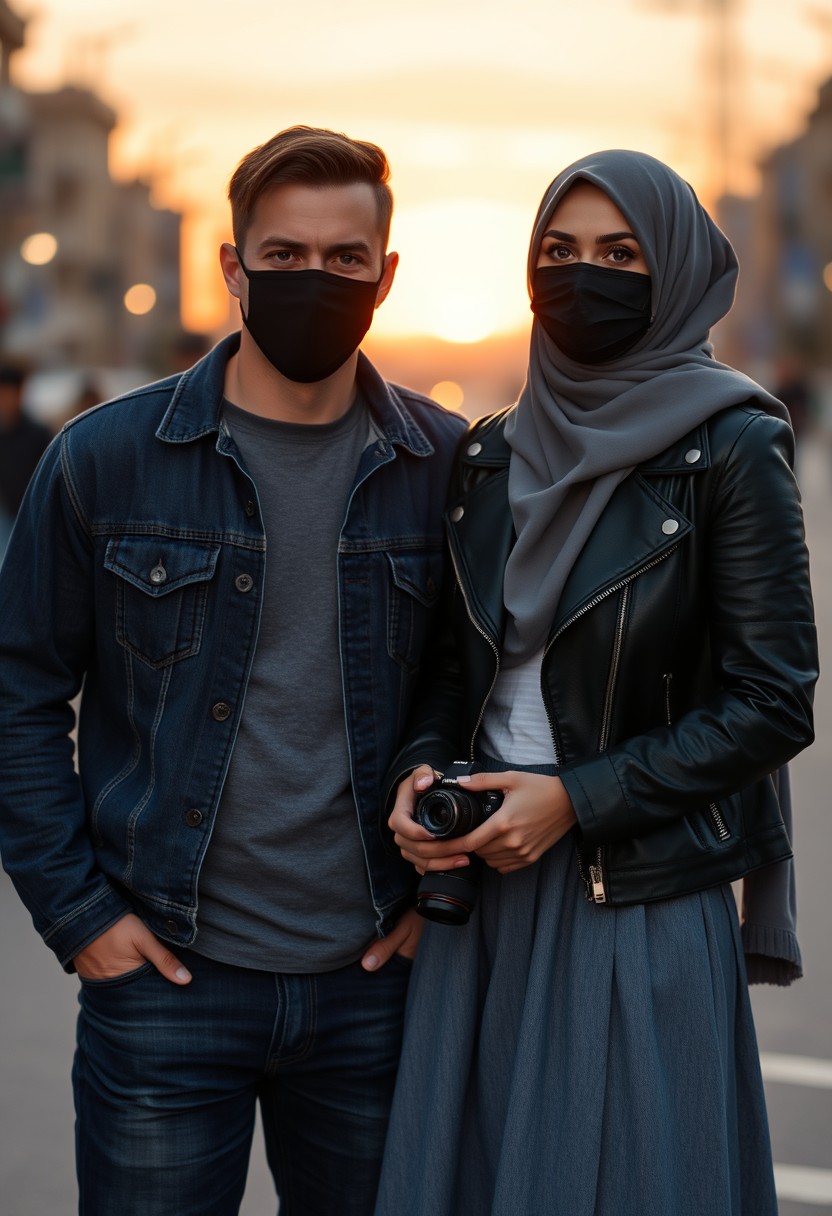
(692, 456)
(670, 526)
(474, 449)
(158, 574)
(244, 582)
(457, 514)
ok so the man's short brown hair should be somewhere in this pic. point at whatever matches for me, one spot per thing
(315, 157)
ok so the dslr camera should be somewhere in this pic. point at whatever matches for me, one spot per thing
(447, 810)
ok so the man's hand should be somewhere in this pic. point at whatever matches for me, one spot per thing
(402, 939)
(123, 947)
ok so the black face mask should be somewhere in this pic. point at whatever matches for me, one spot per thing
(307, 322)
(592, 313)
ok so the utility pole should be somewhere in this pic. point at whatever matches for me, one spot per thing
(722, 66)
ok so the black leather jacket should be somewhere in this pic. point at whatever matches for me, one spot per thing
(680, 665)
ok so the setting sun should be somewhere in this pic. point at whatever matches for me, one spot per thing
(462, 274)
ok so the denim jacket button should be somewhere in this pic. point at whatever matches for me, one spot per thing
(249, 508)
(193, 817)
(244, 582)
(158, 574)
(171, 926)
(221, 711)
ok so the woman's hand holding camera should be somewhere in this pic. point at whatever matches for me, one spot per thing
(535, 814)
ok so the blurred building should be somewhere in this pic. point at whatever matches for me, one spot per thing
(784, 240)
(89, 268)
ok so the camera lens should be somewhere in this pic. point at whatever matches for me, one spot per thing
(437, 811)
(448, 898)
(449, 812)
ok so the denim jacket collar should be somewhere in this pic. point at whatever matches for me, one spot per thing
(196, 404)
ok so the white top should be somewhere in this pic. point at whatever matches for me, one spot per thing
(515, 726)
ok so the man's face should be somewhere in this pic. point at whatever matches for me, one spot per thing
(300, 227)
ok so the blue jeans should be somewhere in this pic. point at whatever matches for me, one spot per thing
(167, 1078)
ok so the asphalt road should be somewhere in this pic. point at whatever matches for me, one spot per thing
(38, 1002)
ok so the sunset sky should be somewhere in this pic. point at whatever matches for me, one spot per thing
(478, 105)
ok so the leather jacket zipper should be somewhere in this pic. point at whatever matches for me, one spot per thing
(593, 876)
(719, 823)
(488, 639)
(594, 879)
(716, 815)
(613, 676)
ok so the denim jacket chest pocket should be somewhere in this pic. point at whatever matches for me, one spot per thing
(413, 592)
(161, 594)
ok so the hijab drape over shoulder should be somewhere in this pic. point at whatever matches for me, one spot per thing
(578, 430)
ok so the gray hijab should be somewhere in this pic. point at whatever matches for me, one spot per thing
(577, 431)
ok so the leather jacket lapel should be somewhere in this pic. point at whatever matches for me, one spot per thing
(638, 527)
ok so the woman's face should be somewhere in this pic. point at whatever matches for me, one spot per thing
(586, 226)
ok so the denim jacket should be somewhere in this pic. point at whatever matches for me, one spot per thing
(135, 570)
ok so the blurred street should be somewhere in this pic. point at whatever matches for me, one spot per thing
(37, 1001)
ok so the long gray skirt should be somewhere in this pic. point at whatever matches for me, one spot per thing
(566, 1059)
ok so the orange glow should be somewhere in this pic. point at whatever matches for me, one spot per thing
(39, 248)
(462, 271)
(448, 393)
(139, 299)
(476, 116)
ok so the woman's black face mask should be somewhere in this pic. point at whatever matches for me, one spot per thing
(592, 313)
(307, 323)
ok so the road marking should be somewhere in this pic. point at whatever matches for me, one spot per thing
(796, 1070)
(803, 1185)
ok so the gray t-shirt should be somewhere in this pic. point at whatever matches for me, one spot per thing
(284, 883)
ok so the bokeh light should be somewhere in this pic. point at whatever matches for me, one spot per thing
(139, 299)
(39, 248)
(448, 393)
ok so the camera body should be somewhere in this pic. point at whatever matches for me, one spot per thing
(447, 810)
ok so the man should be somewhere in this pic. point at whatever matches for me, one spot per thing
(22, 443)
(240, 564)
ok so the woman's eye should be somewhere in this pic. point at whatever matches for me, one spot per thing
(559, 253)
(621, 254)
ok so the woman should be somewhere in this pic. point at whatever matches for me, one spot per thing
(630, 646)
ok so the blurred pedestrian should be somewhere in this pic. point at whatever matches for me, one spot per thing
(22, 443)
(793, 388)
(239, 564)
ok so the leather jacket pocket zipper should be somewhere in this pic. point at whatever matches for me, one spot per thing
(719, 823)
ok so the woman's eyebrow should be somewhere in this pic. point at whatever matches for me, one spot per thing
(615, 236)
